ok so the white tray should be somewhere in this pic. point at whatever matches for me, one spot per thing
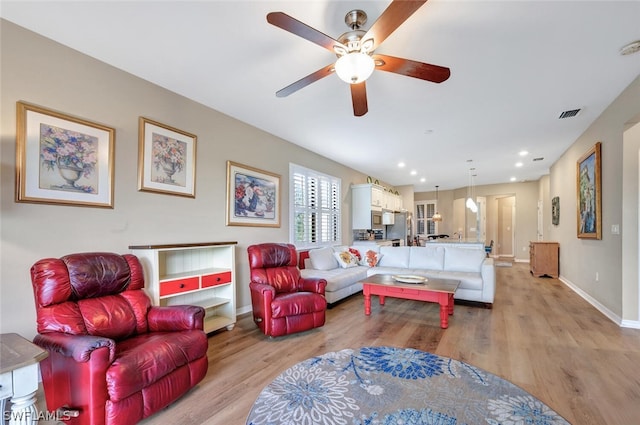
(408, 278)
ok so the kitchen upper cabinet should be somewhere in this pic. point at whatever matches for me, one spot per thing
(377, 195)
(370, 197)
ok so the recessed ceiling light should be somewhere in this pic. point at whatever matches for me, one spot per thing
(414, 172)
(630, 48)
(422, 180)
(518, 164)
(523, 153)
(512, 179)
(401, 164)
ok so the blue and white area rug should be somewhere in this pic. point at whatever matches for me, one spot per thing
(386, 385)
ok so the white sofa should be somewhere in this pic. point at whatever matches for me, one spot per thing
(468, 264)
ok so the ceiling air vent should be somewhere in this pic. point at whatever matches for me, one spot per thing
(569, 114)
(538, 159)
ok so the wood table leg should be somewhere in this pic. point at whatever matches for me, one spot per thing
(367, 299)
(446, 308)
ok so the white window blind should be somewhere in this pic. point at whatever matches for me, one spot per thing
(315, 208)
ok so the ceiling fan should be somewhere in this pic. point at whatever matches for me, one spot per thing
(355, 50)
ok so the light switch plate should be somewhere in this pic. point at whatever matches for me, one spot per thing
(615, 229)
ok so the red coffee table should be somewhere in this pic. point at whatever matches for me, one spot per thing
(432, 290)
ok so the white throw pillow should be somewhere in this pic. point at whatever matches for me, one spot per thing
(370, 258)
(323, 259)
(346, 259)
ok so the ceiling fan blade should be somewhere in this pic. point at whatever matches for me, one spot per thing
(359, 99)
(304, 82)
(421, 70)
(393, 16)
(292, 25)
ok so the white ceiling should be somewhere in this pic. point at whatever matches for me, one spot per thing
(515, 66)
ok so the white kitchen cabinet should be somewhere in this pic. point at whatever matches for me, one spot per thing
(200, 274)
(368, 197)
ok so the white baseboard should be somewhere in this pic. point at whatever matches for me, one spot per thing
(600, 307)
(242, 310)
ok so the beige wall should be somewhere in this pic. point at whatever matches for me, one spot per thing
(581, 259)
(39, 71)
(526, 199)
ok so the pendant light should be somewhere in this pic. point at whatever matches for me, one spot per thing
(436, 217)
(471, 204)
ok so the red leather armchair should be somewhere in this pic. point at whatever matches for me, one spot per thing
(112, 356)
(283, 302)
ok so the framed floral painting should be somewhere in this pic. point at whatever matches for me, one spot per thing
(253, 196)
(589, 194)
(166, 159)
(61, 159)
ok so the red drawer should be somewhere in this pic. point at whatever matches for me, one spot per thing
(395, 290)
(216, 279)
(179, 285)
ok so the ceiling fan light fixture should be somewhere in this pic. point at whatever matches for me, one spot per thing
(354, 67)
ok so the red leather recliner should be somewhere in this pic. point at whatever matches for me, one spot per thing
(112, 356)
(283, 302)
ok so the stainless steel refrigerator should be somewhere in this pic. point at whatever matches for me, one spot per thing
(402, 228)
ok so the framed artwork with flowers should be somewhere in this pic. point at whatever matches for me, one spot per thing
(589, 193)
(253, 196)
(62, 159)
(166, 159)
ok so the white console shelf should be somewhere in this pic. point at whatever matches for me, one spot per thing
(201, 274)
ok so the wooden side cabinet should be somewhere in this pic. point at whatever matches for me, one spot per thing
(544, 259)
(200, 274)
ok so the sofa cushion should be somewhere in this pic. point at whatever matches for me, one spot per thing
(323, 259)
(463, 259)
(468, 280)
(428, 257)
(395, 256)
(338, 278)
(296, 304)
(144, 359)
(346, 259)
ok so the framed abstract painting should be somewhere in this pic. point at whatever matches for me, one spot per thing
(166, 159)
(589, 194)
(62, 159)
(253, 196)
(555, 210)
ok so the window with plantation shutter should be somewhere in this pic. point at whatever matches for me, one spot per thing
(423, 215)
(315, 208)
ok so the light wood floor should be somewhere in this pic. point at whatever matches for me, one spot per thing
(539, 335)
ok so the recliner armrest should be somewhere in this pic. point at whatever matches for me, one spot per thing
(79, 347)
(262, 288)
(312, 284)
(175, 318)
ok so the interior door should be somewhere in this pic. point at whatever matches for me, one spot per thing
(506, 208)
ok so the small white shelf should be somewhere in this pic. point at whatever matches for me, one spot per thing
(196, 264)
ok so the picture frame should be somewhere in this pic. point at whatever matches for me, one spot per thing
(555, 211)
(62, 159)
(166, 159)
(253, 196)
(589, 194)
